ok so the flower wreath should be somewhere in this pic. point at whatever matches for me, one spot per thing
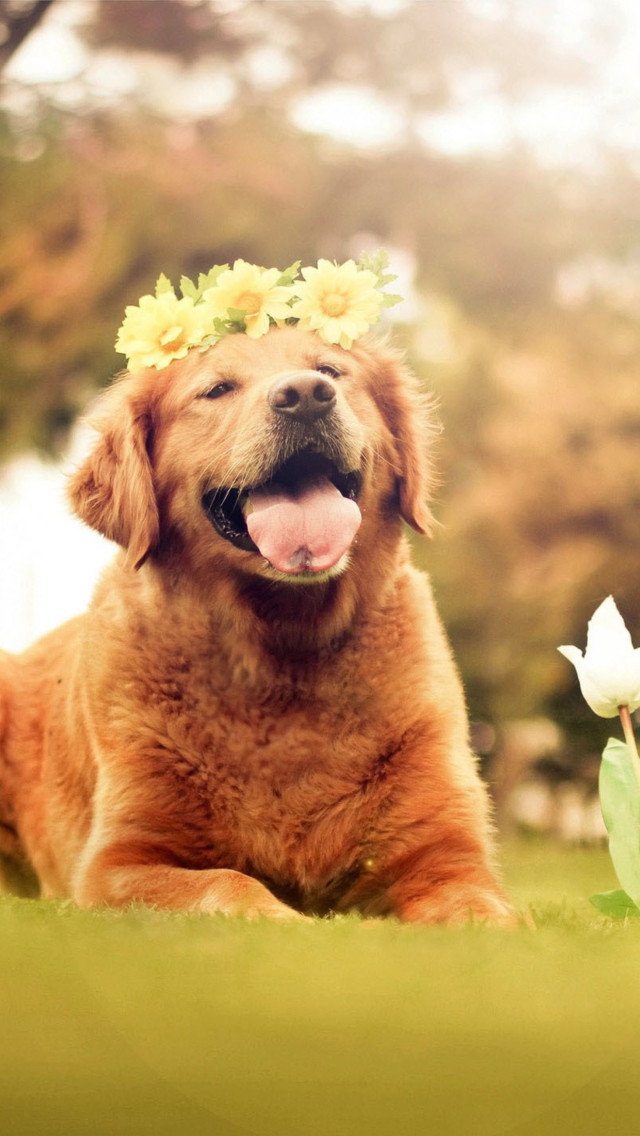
(338, 301)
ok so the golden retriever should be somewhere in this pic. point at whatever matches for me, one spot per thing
(259, 714)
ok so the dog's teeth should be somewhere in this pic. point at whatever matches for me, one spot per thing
(244, 502)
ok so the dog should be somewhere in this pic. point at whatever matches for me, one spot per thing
(259, 715)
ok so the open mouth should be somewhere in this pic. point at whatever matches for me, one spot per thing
(302, 520)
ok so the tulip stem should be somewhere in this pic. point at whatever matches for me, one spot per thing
(629, 737)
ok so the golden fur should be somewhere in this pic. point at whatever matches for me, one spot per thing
(209, 737)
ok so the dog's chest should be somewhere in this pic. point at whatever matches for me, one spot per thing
(286, 791)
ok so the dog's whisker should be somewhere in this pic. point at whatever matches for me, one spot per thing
(230, 473)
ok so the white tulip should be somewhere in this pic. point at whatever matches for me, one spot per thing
(609, 670)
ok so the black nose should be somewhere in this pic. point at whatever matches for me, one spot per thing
(304, 395)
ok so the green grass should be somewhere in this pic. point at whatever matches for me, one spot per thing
(147, 1023)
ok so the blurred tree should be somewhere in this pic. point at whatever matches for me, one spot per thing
(92, 199)
(417, 53)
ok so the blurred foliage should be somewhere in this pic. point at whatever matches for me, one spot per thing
(527, 281)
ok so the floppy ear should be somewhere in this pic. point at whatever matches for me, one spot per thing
(409, 415)
(113, 490)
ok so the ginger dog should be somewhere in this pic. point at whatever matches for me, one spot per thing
(259, 714)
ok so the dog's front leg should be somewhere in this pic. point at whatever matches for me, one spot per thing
(130, 871)
(445, 879)
(446, 884)
(430, 859)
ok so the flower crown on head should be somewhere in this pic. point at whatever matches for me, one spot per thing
(338, 301)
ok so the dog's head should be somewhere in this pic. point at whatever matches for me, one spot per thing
(282, 458)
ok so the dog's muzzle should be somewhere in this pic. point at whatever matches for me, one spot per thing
(302, 514)
(304, 396)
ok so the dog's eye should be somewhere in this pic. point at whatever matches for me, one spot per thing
(218, 390)
(329, 369)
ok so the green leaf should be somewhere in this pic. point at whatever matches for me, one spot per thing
(210, 279)
(288, 276)
(188, 288)
(615, 904)
(221, 327)
(376, 263)
(620, 803)
(236, 315)
(205, 280)
(163, 284)
(207, 342)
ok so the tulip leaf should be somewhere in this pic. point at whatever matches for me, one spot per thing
(615, 904)
(620, 802)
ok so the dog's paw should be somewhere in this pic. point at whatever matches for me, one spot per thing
(458, 906)
(238, 895)
(276, 910)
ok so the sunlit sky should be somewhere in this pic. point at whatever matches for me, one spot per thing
(49, 560)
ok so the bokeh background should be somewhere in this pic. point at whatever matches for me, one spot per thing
(493, 146)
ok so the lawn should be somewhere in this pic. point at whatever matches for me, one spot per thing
(146, 1023)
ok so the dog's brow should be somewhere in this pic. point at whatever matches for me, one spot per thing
(327, 360)
(318, 358)
(223, 376)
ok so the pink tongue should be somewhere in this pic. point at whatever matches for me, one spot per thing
(308, 532)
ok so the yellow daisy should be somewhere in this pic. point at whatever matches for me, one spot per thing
(253, 290)
(339, 301)
(160, 329)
